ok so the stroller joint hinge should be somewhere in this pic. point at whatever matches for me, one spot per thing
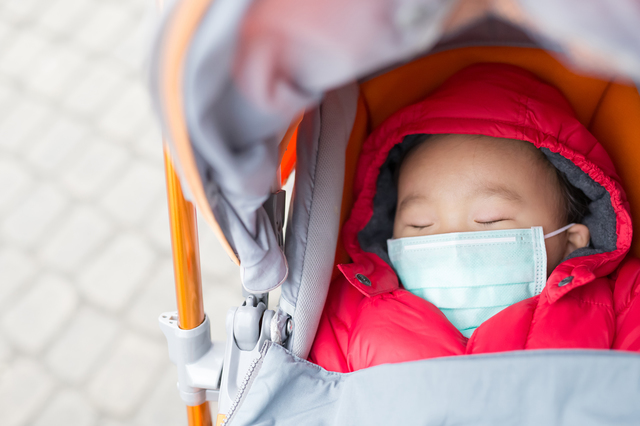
(248, 328)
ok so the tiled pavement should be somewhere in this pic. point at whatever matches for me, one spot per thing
(85, 260)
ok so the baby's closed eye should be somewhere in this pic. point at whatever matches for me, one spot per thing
(492, 221)
(419, 227)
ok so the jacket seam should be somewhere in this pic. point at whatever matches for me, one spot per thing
(589, 302)
(632, 294)
(628, 303)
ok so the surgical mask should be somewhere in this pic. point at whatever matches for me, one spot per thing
(471, 276)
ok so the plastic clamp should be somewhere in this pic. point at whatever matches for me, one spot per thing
(199, 360)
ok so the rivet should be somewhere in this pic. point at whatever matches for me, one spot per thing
(364, 280)
(565, 281)
(289, 327)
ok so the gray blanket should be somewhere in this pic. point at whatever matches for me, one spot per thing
(550, 387)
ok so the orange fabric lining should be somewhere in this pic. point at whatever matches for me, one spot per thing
(617, 127)
(610, 109)
(289, 158)
(392, 91)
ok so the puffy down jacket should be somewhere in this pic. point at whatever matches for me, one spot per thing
(590, 300)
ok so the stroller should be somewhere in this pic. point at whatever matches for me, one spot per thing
(231, 80)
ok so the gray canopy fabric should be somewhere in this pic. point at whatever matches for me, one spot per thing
(253, 65)
(550, 387)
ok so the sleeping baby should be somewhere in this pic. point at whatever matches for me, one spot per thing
(486, 218)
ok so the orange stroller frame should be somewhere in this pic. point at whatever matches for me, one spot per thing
(608, 108)
(186, 261)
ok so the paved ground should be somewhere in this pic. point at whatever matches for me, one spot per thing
(85, 263)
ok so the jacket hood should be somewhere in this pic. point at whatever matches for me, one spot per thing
(502, 101)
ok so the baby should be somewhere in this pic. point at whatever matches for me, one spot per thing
(486, 218)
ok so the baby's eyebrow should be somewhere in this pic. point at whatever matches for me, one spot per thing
(499, 190)
(410, 199)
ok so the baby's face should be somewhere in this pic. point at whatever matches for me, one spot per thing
(462, 183)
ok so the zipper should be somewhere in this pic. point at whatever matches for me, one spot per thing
(249, 377)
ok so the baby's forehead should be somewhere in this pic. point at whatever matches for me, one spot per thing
(476, 163)
(480, 141)
(482, 148)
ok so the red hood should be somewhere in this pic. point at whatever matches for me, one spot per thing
(502, 101)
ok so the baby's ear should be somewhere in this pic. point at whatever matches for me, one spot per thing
(578, 236)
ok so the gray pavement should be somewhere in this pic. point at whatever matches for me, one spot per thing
(85, 258)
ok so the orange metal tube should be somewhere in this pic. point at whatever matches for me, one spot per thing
(186, 268)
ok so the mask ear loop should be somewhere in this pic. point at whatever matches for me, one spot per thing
(559, 231)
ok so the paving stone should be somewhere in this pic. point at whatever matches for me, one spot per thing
(129, 112)
(130, 198)
(34, 319)
(5, 33)
(55, 70)
(111, 422)
(15, 180)
(9, 95)
(164, 406)
(17, 125)
(149, 143)
(123, 380)
(67, 408)
(22, 51)
(27, 222)
(103, 27)
(139, 38)
(20, 10)
(81, 231)
(215, 263)
(62, 16)
(6, 351)
(114, 275)
(15, 269)
(157, 227)
(24, 388)
(158, 296)
(57, 144)
(95, 87)
(94, 168)
(86, 340)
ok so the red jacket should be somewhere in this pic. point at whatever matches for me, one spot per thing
(365, 325)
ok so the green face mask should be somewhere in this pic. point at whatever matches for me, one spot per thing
(471, 276)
